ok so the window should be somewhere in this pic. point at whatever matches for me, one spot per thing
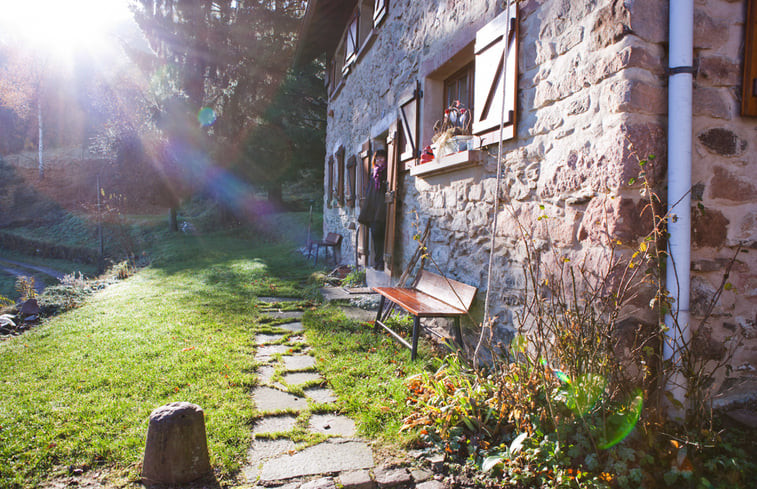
(481, 74)
(749, 87)
(459, 86)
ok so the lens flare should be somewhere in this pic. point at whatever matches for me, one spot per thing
(620, 424)
(206, 116)
(582, 394)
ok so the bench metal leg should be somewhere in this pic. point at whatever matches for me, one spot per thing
(416, 332)
(378, 314)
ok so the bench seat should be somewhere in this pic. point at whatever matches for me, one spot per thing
(432, 295)
(418, 303)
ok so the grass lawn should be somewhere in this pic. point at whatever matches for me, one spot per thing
(78, 390)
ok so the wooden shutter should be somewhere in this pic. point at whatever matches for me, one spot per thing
(379, 11)
(351, 167)
(392, 173)
(330, 182)
(496, 76)
(351, 41)
(749, 88)
(340, 176)
(364, 177)
(408, 115)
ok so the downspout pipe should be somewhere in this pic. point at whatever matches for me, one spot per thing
(677, 280)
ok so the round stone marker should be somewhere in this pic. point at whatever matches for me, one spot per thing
(176, 450)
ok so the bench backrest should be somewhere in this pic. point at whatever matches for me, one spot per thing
(333, 238)
(446, 290)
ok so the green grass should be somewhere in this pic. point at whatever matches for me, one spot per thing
(366, 370)
(79, 389)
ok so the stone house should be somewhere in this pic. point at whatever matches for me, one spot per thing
(586, 95)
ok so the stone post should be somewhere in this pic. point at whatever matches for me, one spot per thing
(176, 450)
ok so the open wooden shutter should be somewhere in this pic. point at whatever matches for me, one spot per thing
(330, 181)
(496, 76)
(340, 176)
(364, 176)
(749, 88)
(392, 174)
(408, 114)
(351, 164)
(351, 41)
(379, 11)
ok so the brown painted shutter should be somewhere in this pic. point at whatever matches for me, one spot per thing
(392, 173)
(493, 74)
(330, 182)
(408, 112)
(351, 164)
(749, 88)
(340, 176)
(364, 178)
(379, 11)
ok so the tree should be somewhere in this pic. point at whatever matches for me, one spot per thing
(231, 57)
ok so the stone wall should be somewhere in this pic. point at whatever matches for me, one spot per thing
(725, 190)
(592, 102)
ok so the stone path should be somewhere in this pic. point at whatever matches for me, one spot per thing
(296, 406)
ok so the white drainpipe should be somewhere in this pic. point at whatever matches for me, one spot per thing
(679, 185)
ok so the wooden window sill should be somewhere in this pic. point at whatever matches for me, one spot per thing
(449, 163)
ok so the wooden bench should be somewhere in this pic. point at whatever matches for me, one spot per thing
(332, 240)
(432, 295)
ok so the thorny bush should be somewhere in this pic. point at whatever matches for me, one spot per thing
(576, 399)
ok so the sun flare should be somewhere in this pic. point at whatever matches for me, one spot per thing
(62, 27)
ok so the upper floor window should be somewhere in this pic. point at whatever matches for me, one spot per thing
(459, 86)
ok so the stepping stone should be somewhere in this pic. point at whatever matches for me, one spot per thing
(295, 327)
(301, 377)
(298, 362)
(274, 424)
(262, 339)
(324, 458)
(268, 351)
(268, 399)
(279, 299)
(321, 395)
(285, 314)
(266, 373)
(296, 340)
(332, 425)
(262, 450)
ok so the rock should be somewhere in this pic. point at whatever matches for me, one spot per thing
(176, 450)
(709, 229)
(420, 475)
(6, 321)
(357, 479)
(322, 483)
(386, 477)
(729, 186)
(432, 484)
(722, 141)
(29, 307)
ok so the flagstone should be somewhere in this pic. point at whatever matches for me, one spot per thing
(268, 399)
(324, 458)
